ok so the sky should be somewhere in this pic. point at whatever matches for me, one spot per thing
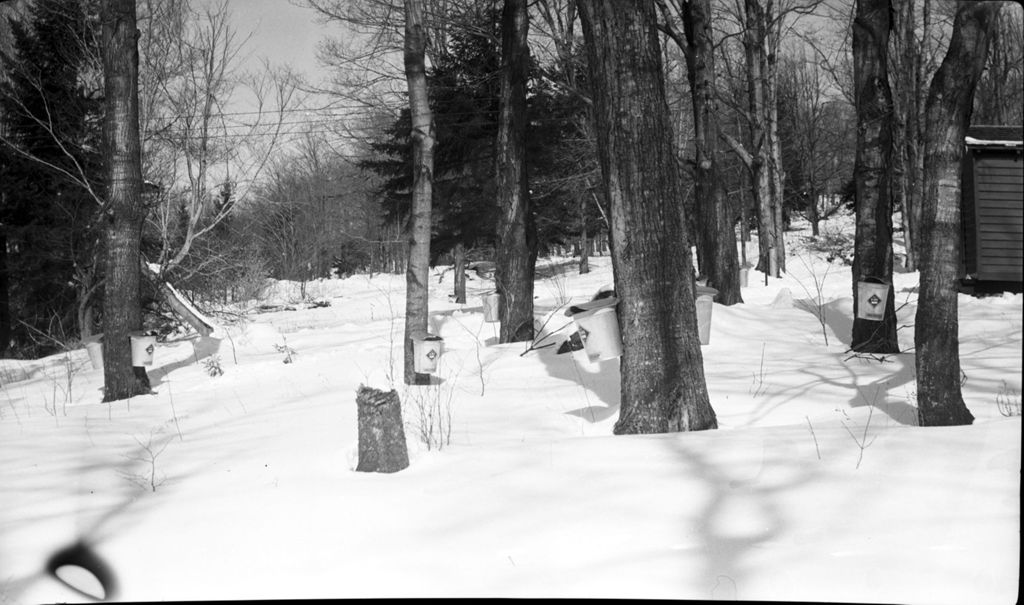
(283, 31)
(240, 476)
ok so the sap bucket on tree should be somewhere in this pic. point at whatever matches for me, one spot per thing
(94, 346)
(491, 301)
(598, 327)
(143, 345)
(705, 302)
(872, 294)
(426, 349)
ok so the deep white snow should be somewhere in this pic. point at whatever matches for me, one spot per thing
(529, 494)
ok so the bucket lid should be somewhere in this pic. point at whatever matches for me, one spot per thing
(706, 291)
(609, 301)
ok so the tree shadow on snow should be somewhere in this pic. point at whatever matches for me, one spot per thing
(744, 510)
(835, 316)
(879, 381)
(599, 380)
(203, 347)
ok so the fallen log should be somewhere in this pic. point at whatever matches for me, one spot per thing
(178, 304)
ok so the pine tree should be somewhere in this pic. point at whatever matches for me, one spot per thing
(50, 167)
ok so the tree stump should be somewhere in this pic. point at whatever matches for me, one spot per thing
(382, 446)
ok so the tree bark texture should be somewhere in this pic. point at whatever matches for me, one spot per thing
(770, 231)
(382, 447)
(5, 292)
(873, 255)
(662, 385)
(947, 114)
(423, 137)
(516, 254)
(585, 242)
(719, 259)
(122, 312)
(460, 273)
(905, 74)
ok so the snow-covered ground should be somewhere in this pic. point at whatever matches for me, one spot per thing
(817, 486)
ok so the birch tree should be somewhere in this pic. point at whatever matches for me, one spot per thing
(947, 115)
(423, 137)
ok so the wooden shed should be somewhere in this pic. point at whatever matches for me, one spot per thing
(993, 206)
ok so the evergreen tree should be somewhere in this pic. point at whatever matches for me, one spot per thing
(464, 92)
(50, 167)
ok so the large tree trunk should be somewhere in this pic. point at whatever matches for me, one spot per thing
(662, 384)
(418, 270)
(122, 313)
(947, 116)
(873, 256)
(516, 255)
(719, 260)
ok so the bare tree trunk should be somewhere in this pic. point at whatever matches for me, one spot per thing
(760, 139)
(907, 75)
(773, 149)
(417, 272)
(460, 273)
(516, 255)
(812, 205)
(947, 115)
(5, 292)
(584, 243)
(719, 261)
(662, 387)
(122, 312)
(873, 256)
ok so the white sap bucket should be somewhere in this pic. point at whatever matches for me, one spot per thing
(425, 352)
(704, 305)
(872, 294)
(143, 346)
(705, 302)
(94, 346)
(599, 331)
(744, 276)
(491, 301)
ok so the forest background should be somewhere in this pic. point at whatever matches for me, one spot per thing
(294, 187)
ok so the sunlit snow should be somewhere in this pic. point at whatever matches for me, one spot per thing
(817, 486)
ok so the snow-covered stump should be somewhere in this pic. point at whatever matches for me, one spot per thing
(382, 446)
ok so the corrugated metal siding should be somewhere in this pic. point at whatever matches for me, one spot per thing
(998, 216)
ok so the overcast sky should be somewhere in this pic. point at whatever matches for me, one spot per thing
(283, 31)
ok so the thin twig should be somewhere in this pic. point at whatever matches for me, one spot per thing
(173, 412)
(815, 437)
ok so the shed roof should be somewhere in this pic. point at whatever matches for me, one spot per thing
(995, 136)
